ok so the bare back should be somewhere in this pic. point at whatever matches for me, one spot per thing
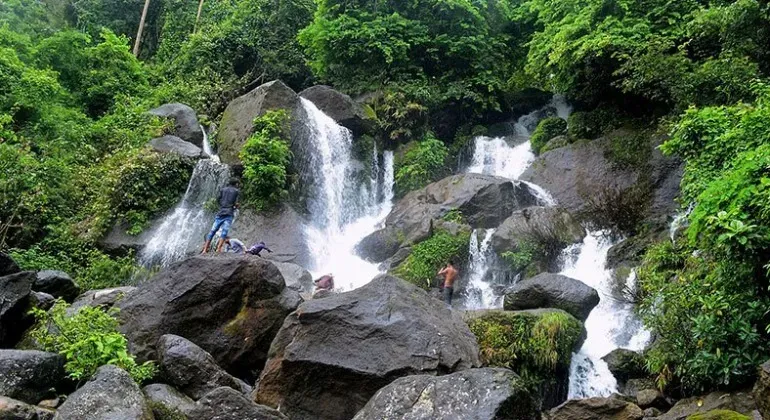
(450, 274)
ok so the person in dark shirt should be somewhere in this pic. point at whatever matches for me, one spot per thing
(228, 202)
(256, 249)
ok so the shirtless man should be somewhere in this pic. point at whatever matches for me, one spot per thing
(450, 274)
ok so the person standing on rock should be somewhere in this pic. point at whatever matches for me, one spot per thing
(228, 202)
(450, 274)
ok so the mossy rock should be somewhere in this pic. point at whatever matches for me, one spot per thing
(719, 415)
(537, 344)
(426, 257)
(555, 143)
(546, 130)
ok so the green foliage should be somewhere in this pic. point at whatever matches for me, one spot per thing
(719, 415)
(554, 144)
(547, 129)
(525, 254)
(87, 339)
(629, 148)
(454, 216)
(591, 124)
(421, 164)
(266, 157)
(534, 346)
(428, 256)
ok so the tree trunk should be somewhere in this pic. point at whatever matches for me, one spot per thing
(138, 40)
(198, 17)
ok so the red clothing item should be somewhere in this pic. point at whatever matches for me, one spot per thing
(325, 282)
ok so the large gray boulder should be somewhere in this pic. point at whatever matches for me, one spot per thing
(7, 265)
(483, 200)
(282, 228)
(186, 125)
(57, 284)
(15, 290)
(473, 394)
(170, 399)
(296, 277)
(533, 223)
(238, 119)
(30, 375)
(625, 364)
(596, 408)
(576, 172)
(190, 368)
(231, 306)
(109, 395)
(227, 404)
(347, 112)
(549, 290)
(761, 391)
(173, 144)
(370, 337)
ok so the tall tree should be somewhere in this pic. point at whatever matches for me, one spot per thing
(138, 40)
(198, 16)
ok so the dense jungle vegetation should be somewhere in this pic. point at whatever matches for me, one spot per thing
(73, 125)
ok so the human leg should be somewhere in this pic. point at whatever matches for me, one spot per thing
(218, 221)
(448, 291)
(224, 230)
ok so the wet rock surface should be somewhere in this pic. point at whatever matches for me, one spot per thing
(549, 290)
(173, 144)
(473, 394)
(168, 397)
(371, 336)
(597, 408)
(57, 284)
(231, 306)
(344, 110)
(190, 368)
(30, 375)
(186, 125)
(227, 404)
(109, 394)
(15, 290)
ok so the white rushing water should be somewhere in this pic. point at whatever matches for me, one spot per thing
(611, 324)
(184, 229)
(478, 292)
(341, 211)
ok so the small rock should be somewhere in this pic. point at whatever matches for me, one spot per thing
(46, 414)
(57, 284)
(11, 409)
(652, 398)
(295, 277)
(190, 368)
(52, 403)
(168, 397)
(30, 375)
(228, 404)
(652, 412)
(110, 394)
(100, 297)
(42, 300)
(173, 144)
(625, 364)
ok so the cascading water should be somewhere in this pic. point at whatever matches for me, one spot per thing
(508, 158)
(611, 324)
(183, 230)
(342, 212)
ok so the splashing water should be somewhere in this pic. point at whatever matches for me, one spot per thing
(341, 212)
(495, 156)
(611, 324)
(479, 293)
(679, 220)
(183, 230)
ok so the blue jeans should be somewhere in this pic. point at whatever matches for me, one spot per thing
(223, 223)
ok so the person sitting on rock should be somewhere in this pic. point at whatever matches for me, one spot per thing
(450, 274)
(235, 246)
(228, 202)
(256, 249)
(325, 282)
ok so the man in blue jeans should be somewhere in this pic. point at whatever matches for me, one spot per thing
(228, 202)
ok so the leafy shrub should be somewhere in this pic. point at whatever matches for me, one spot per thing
(534, 346)
(706, 314)
(454, 216)
(87, 339)
(621, 211)
(421, 164)
(629, 148)
(545, 131)
(428, 256)
(591, 124)
(266, 157)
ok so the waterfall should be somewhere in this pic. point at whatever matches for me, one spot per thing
(342, 212)
(183, 230)
(494, 156)
(478, 292)
(680, 219)
(611, 324)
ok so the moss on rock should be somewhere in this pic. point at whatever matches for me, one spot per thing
(545, 131)
(428, 256)
(719, 415)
